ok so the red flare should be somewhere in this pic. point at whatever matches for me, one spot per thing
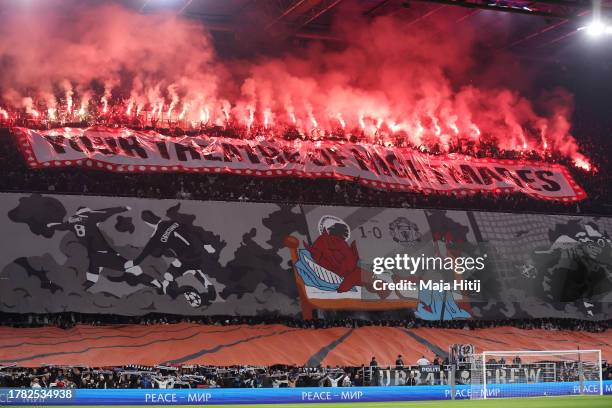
(204, 115)
(341, 121)
(183, 112)
(251, 117)
(267, 118)
(583, 163)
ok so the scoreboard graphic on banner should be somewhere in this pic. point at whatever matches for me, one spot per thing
(137, 256)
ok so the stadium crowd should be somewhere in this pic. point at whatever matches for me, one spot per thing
(68, 320)
(279, 376)
(179, 377)
(226, 187)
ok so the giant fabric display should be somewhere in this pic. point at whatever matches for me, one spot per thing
(126, 150)
(137, 256)
(266, 345)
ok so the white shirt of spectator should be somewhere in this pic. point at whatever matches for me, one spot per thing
(163, 384)
(422, 361)
(277, 383)
(334, 381)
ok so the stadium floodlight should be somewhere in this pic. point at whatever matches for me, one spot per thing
(596, 29)
(514, 374)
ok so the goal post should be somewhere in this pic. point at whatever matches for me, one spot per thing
(536, 373)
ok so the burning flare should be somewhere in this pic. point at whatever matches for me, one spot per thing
(164, 67)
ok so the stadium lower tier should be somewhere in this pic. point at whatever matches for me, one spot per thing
(265, 345)
(598, 395)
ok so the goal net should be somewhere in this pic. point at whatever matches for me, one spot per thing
(513, 374)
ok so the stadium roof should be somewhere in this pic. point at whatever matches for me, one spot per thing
(548, 25)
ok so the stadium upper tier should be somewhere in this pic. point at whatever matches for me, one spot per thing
(17, 176)
(266, 345)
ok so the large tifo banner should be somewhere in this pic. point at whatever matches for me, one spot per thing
(218, 396)
(137, 256)
(125, 150)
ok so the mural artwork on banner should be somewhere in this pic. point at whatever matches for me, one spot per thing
(136, 256)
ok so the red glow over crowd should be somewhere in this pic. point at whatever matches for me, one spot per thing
(387, 84)
(436, 137)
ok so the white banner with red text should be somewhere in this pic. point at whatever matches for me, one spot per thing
(127, 150)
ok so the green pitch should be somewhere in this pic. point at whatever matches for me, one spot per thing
(545, 402)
